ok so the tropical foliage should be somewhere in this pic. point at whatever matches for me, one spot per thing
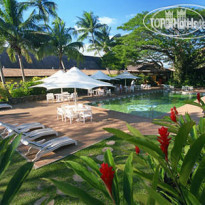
(7, 150)
(89, 27)
(176, 162)
(20, 36)
(45, 8)
(142, 45)
(60, 43)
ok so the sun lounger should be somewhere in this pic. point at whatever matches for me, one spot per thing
(35, 134)
(5, 105)
(21, 128)
(48, 146)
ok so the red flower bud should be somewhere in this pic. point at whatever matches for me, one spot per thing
(164, 140)
(175, 110)
(137, 149)
(198, 97)
(107, 176)
(173, 115)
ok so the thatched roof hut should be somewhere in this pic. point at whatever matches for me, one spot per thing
(146, 68)
(52, 62)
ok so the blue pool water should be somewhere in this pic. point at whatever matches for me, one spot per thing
(149, 105)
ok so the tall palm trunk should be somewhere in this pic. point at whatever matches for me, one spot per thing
(61, 64)
(21, 67)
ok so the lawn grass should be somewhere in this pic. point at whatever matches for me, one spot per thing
(35, 187)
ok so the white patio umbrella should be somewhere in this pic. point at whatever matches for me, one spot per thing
(126, 75)
(74, 78)
(99, 75)
(55, 76)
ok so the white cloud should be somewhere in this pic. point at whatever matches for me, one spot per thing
(130, 15)
(85, 51)
(107, 20)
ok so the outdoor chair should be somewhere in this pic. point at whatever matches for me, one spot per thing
(47, 147)
(60, 113)
(21, 128)
(85, 115)
(73, 96)
(90, 92)
(35, 134)
(5, 106)
(50, 96)
(70, 114)
(108, 92)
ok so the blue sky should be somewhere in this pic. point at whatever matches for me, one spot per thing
(114, 12)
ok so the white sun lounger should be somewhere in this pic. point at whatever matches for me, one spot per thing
(35, 134)
(48, 146)
(21, 128)
(5, 105)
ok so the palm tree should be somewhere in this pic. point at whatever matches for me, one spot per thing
(89, 27)
(104, 41)
(61, 44)
(45, 8)
(20, 35)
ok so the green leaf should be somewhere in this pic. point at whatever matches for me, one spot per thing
(91, 163)
(198, 178)
(202, 125)
(128, 180)
(4, 143)
(171, 128)
(194, 133)
(108, 158)
(134, 131)
(189, 197)
(16, 182)
(202, 198)
(88, 176)
(156, 196)
(179, 142)
(191, 158)
(162, 185)
(181, 120)
(144, 144)
(6, 159)
(75, 192)
(187, 117)
(151, 200)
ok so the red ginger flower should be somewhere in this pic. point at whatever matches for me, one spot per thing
(198, 97)
(175, 110)
(164, 140)
(137, 149)
(173, 115)
(107, 176)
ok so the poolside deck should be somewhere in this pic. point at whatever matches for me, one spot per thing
(86, 134)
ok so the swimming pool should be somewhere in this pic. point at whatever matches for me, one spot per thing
(150, 105)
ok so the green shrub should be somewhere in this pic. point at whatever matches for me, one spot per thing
(23, 88)
(7, 150)
(4, 94)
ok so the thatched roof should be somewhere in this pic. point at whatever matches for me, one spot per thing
(16, 72)
(146, 68)
(89, 62)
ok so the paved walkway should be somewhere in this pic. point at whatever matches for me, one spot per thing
(86, 134)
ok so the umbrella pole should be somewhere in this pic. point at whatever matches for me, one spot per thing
(61, 90)
(75, 96)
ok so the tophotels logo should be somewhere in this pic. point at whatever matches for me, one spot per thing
(182, 21)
